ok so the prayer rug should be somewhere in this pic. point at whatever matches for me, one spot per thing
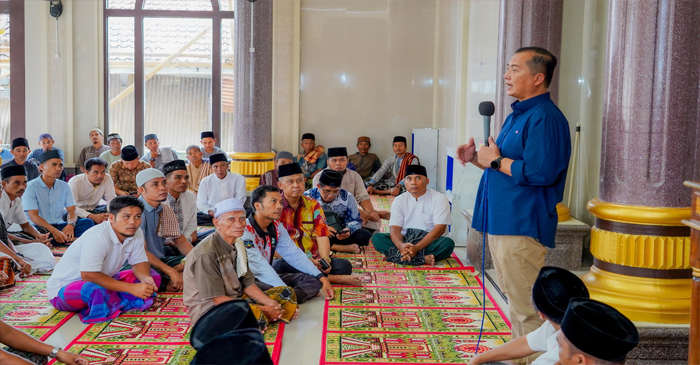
(116, 353)
(382, 202)
(25, 291)
(58, 250)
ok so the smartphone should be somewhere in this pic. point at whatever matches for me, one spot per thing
(324, 264)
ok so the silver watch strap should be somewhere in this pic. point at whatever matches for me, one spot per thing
(54, 353)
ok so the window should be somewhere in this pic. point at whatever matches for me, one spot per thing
(169, 70)
(12, 98)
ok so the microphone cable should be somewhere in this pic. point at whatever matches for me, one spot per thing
(483, 256)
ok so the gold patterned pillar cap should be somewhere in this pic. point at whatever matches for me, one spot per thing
(251, 165)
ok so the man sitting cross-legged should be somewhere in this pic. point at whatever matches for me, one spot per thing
(342, 215)
(305, 222)
(366, 163)
(419, 220)
(14, 184)
(215, 188)
(90, 188)
(124, 171)
(183, 202)
(395, 165)
(20, 151)
(160, 225)
(553, 289)
(217, 271)
(88, 276)
(266, 236)
(46, 198)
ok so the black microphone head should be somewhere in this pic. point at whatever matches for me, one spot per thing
(486, 108)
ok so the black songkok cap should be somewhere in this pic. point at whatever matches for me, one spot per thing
(174, 166)
(337, 152)
(400, 139)
(129, 153)
(308, 136)
(217, 158)
(599, 330)
(19, 142)
(207, 135)
(416, 170)
(15, 170)
(149, 137)
(49, 155)
(331, 178)
(289, 169)
(553, 290)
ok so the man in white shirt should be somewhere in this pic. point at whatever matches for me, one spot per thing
(183, 201)
(219, 186)
(553, 290)
(90, 188)
(14, 183)
(419, 208)
(88, 277)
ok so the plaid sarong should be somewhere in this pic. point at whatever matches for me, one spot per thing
(283, 295)
(7, 266)
(97, 304)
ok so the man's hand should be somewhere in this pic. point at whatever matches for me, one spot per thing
(317, 263)
(149, 280)
(488, 154)
(59, 236)
(476, 360)
(272, 310)
(69, 231)
(370, 189)
(141, 290)
(175, 279)
(466, 152)
(43, 238)
(211, 213)
(193, 237)
(25, 268)
(98, 218)
(343, 235)
(327, 289)
(395, 190)
(71, 359)
(374, 216)
(332, 231)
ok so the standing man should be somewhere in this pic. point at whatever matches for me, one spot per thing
(90, 188)
(46, 198)
(14, 183)
(198, 168)
(209, 145)
(222, 185)
(114, 153)
(183, 202)
(271, 177)
(395, 164)
(94, 150)
(526, 171)
(20, 151)
(124, 171)
(366, 164)
(158, 156)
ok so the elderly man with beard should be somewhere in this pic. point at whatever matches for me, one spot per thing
(183, 201)
(90, 188)
(94, 150)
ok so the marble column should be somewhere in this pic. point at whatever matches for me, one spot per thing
(650, 145)
(252, 140)
(526, 23)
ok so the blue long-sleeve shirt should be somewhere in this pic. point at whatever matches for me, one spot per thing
(536, 137)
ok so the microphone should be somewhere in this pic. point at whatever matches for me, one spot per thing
(486, 109)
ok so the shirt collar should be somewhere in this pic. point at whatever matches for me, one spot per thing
(113, 235)
(285, 203)
(150, 208)
(520, 107)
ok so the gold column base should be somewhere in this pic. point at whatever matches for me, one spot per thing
(251, 166)
(642, 299)
(563, 212)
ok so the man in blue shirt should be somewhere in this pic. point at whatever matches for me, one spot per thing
(47, 197)
(524, 177)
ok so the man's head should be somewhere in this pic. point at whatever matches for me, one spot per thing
(20, 149)
(45, 142)
(291, 180)
(151, 142)
(363, 145)
(194, 154)
(283, 158)
(308, 142)
(96, 136)
(51, 164)
(130, 157)
(96, 169)
(595, 333)
(151, 184)
(208, 141)
(399, 145)
(229, 218)
(219, 164)
(552, 291)
(14, 180)
(338, 158)
(329, 185)
(267, 202)
(125, 215)
(176, 176)
(416, 180)
(529, 72)
(115, 142)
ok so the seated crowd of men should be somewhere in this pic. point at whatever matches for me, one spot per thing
(131, 226)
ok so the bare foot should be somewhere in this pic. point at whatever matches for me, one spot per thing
(353, 280)
(430, 260)
(383, 214)
(353, 248)
(296, 314)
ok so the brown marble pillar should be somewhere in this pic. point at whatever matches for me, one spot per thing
(526, 23)
(650, 145)
(252, 139)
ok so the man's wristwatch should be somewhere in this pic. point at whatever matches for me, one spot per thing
(72, 223)
(54, 352)
(153, 160)
(496, 164)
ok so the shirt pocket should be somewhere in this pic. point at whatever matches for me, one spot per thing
(427, 219)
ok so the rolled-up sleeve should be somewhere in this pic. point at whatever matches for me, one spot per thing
(545, 155)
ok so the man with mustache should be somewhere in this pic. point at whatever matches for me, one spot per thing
(94, 150)
(90, 188)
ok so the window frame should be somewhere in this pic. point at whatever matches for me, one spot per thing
(18, 112)
(138, 14)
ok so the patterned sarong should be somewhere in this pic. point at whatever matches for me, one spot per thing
(97, 304)
(7, 266)
(283, 295)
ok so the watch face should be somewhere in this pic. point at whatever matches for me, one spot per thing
(495, 165)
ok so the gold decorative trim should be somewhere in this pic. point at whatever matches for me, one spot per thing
(253, 155)
(649, 252)
(656, 216)
(245, 163)
(563, 212)
(696, 272)
(642, 299)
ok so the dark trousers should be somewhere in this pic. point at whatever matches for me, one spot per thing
(338, 267)
(441, 248)
(82, 225)
(204, 219)
(304, 285)
(361, 237)
(202, 235)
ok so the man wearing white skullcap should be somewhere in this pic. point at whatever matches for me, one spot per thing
(217, 271)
